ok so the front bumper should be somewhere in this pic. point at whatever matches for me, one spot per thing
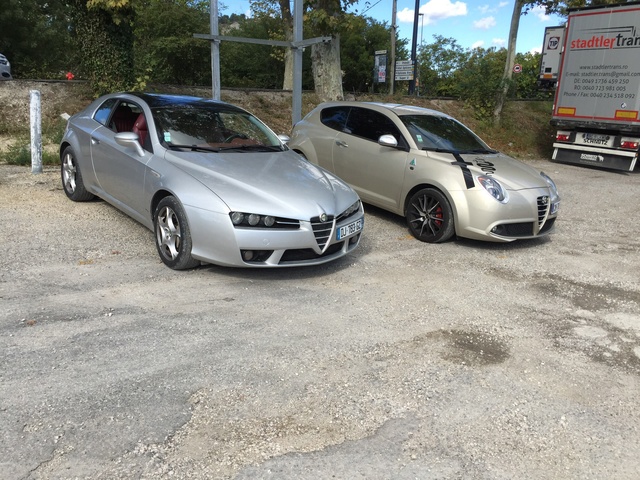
(215, 240)
(528, 214)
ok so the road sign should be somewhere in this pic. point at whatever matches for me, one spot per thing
(404, 70)
(517, 68)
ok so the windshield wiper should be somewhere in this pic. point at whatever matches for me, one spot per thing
(437, 149)
(478, 150)
(193, 148)
(252, 148)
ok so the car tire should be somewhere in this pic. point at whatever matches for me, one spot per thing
(430, 216)
(72, 177)
(173, 237)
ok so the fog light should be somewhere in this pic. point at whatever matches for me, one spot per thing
(247, 255)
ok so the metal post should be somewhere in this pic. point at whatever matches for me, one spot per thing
(215, 51)
(417, 68)
(36, 132)
(393, 46)
(412, 83)
(296, 105)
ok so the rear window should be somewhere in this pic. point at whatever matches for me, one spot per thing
(335, 117)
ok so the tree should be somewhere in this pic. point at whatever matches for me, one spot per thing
(479, 80)
(104, 35)
(26, 26)
(271, 9)
(360, 38)
(165, 49)
(525, 83)
(323, 18)
(438, 64)
(561, 8)
(511, 55)
(253, 65)
(326, 17)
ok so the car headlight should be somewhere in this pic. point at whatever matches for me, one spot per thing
(352, 209)
(554, 197)
(241, 219)
(495, 189)
(255, 220)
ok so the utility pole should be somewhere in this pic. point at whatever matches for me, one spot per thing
(416, 13)
(393, 46)
(215, 51)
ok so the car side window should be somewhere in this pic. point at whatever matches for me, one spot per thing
(372, 125)
(335, 117)
(103, 112)
(124, 117)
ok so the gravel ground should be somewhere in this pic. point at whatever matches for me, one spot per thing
(465, 360)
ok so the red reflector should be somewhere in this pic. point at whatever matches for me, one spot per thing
(629, 145)
(562, 137)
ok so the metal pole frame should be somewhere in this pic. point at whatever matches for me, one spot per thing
(298, 45)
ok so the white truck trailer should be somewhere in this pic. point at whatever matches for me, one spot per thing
(597, 101)
(550, 57)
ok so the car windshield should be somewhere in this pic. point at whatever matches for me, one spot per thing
(440, 133)
(213, 128)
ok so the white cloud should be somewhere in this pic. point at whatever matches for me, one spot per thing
(539, 12)
(434, 10)
(499, 42)
(535, 50)
(484, 9)
(477, 44)
(485, 23)
(503, 4)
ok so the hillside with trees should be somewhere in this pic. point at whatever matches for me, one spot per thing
(131, 44)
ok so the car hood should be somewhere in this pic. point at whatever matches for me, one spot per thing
(271, 183)
(513, 174)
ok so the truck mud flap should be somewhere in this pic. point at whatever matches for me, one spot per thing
(609, 161)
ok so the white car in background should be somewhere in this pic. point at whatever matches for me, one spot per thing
(5, 68)
(429, 168)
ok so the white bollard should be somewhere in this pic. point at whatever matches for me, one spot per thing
(36, 132)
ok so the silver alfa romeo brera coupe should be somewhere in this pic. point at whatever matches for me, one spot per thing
(429, 168)
(213, 182)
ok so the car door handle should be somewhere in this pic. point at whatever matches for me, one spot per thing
(95, 141)
(340, 143)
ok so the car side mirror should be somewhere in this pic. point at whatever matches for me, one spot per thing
(388, 141)
(130, 139)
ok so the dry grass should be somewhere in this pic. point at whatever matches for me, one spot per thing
(524, 131)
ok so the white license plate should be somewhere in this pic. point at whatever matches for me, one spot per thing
(350, 229)
(596, 139)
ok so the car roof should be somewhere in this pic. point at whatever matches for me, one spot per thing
(397, 108)
(160, 100)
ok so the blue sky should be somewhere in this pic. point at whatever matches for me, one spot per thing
(473, 23)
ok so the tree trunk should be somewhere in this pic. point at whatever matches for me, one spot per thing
(327, 72)
(511, 55)
(287, 83)
(287, 19)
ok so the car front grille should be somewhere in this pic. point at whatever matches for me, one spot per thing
(322, 230)
(543, 209)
